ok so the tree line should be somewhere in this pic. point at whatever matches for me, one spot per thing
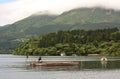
(79, 42)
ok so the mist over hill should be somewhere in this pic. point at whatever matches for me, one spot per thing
(81, 18)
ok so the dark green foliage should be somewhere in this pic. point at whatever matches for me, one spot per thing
(80, 42)
(81, 18)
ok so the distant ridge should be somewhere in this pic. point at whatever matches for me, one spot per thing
(80, 18)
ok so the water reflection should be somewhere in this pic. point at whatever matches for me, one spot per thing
(83, 65)
(18, 67)
(10, 62)
(104, 64)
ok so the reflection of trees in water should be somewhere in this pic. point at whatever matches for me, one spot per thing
(89, 65)
(99, 65)
(104, 64)
(113, 64)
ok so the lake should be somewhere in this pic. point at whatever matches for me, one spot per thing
(17, 67)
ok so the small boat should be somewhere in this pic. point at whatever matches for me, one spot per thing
(54, 63)
(104, 59)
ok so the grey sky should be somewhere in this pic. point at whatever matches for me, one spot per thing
(11, 12)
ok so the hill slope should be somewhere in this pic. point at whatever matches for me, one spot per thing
(81, 18)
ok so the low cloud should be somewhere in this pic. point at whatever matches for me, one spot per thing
(19, 9)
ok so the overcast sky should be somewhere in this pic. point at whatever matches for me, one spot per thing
(14, 10)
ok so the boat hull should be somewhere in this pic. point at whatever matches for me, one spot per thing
(54, 63)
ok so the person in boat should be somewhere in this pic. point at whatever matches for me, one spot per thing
(104, 62)
(39, 59)
(103, 59)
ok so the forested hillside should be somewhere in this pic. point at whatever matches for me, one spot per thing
(80, 42)
(82, 18)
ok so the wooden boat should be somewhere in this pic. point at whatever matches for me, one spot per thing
(54, 63)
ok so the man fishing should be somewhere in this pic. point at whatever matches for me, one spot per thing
(39, 59)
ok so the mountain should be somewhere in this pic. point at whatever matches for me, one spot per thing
(82, 18)
(22, 26)
(12, 35)
(88, 15)
(89, 18)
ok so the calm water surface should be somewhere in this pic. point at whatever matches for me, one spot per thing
(17, 67)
